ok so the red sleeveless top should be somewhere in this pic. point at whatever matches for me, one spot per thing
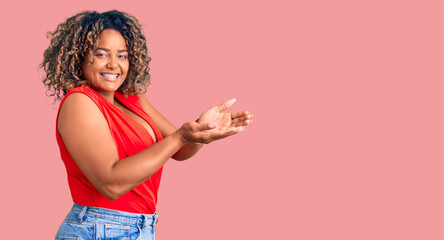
(130, 138)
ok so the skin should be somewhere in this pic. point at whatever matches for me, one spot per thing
(86, 134)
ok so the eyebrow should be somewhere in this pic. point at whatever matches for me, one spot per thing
(107, 50)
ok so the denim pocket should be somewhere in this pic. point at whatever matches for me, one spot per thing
(115, 231)
(75, 230)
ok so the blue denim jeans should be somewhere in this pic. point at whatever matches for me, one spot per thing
(99, 223)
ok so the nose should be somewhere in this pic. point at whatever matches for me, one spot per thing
(112, 63)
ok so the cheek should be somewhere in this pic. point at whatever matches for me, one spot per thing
(88, 71)
(93, 68)
(85, 71)
(87, 67)
(125, 68)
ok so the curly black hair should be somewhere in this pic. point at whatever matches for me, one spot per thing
(79, 35)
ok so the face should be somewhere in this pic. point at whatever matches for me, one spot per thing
(110, 64)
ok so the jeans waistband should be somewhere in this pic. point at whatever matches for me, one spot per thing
(133, 218)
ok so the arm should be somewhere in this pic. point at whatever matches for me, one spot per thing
(86, 135)
(167, 128)
(213, 115)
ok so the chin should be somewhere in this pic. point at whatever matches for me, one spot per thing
(103, 88)
(106, 85)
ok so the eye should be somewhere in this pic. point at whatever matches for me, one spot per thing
(123, 56)
(100, 55)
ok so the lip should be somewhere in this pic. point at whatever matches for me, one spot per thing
(110, 79)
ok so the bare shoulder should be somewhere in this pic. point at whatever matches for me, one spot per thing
(146, 105)
(78, 111)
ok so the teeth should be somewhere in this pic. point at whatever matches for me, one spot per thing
(111, 76)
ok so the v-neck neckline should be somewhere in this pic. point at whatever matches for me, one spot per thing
(118, 96)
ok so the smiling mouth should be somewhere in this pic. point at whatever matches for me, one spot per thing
(110, 76)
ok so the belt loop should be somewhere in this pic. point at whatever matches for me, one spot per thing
(156, 219)
(82, 213)
(145, 221)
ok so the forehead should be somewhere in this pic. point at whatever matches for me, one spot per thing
(111, 38)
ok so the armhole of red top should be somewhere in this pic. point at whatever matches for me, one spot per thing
(75, 90)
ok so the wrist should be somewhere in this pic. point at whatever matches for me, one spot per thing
(180, 136)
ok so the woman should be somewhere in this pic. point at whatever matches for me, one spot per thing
(112, 141)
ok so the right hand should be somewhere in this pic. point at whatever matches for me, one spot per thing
(205, 132)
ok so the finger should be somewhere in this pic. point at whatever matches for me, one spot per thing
(204, 127)
(224, 133)
(242, 118)
(233, 130)
(239, 114)
(215, 134)
(226, 104)
(242, 121)
(241, 124)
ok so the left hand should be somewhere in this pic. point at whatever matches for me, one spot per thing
(223, 120)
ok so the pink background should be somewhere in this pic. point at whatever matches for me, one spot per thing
(348, 136)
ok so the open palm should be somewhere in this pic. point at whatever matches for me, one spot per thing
(223, 120)
(214, 124)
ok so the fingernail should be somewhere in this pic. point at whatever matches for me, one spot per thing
(197, 143)
(233, 100)
(213, 126)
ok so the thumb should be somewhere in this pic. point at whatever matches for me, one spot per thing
(226, 104)
(205, 126)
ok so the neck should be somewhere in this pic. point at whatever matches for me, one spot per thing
(107, 95)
